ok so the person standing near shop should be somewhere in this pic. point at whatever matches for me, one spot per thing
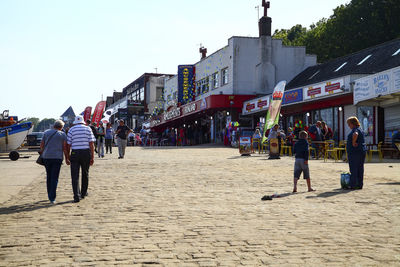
(52, 147)
(356, 151)
(100, 139)
(122, 133)
(109, 137)
(80, 141)
(316, 136)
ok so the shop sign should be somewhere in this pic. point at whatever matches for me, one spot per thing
(245, 145)
(186, 78)
(376, 85)
(292, 96)
(169, 115)
(189, 108)
(256, 105)
(134, 103)
(323, 89)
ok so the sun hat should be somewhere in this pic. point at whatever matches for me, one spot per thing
(78, 120)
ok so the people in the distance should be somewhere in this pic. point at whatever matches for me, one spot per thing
(301, 161)
(316, 136)
(94, 131)
(356, 151)
(80, 141)
(109, 137)
(122, 133)
(100, 139)
(52, 147)
(326, 132)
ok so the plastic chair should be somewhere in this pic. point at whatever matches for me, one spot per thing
(264, 146)
(285, 149)
(378, 150)
(341, 149)
(330, 149)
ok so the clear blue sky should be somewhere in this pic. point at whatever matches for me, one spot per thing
(56, 54)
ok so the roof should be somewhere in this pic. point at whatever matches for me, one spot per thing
(68, 113)
(368, 61)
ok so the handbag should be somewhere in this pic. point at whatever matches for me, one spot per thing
(345, 180)
(40, 160)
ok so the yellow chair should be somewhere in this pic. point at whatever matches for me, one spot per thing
(379, 150)
(258, 141)
(285, 149)
(329, 148)
(310, 148)
(264, 146)
(341, 149)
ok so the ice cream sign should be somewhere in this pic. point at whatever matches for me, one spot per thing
(323, 89)
(256, 105)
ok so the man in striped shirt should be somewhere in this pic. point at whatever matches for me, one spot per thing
(81, 140)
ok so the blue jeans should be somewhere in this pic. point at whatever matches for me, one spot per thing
(53, 167)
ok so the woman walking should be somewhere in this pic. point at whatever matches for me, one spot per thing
(51, 148)
(356, 153)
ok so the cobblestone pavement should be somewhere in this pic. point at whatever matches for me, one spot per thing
(201, 207)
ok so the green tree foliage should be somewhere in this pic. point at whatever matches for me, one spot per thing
(352, 27)
(34, 120)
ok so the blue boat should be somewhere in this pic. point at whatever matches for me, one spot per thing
(12, 137)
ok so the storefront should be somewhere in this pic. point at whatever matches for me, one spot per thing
(379, 93)
(207, 117)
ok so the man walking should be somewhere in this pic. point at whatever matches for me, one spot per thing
(81, 140)
(122, 133)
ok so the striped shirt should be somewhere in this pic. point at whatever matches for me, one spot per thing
(79, 137)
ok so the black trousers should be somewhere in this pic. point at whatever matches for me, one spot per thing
(108, 145)
(80, 159)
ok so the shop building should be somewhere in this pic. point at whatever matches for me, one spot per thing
(247, 67)
(138, 99)
(329, 92)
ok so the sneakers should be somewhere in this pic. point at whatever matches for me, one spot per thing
(53, 202)
(76, 200)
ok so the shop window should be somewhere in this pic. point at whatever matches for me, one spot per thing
(214, 80)
(225, 76)
(205, 85)
(365, 116)
(141, 94)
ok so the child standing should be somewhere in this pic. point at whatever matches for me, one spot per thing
(301, 163)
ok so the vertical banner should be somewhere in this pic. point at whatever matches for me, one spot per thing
(86, 113)
(186, 83)
(98, 112)
(274, 107)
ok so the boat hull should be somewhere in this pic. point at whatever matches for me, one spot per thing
(13, 136)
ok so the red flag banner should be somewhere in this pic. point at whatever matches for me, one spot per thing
(87, 113)
(98, 112)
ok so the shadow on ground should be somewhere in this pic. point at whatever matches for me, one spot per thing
(43, 204)
(333, 193)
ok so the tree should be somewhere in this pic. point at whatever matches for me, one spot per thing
(352, 27)
(34, 120)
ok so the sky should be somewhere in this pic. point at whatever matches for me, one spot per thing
(55, 54)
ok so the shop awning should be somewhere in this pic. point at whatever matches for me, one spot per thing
(203, 106)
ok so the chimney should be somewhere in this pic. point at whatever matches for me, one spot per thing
(203, 52)
(264, 24)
